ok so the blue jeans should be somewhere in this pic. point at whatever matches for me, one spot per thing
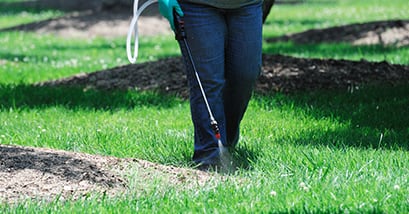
(226, 49)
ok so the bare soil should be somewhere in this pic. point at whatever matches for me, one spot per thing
(45, 174)
(390, 32)
(28, 173)
(279, 74)
(99, 23)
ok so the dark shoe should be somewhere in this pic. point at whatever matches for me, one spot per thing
(208, 167)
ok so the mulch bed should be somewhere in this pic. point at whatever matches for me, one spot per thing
(279, 74)
(390, 32)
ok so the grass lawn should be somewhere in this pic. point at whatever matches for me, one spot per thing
(12, 15)
(313, 152)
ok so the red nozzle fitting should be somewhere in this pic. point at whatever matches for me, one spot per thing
(215, 128)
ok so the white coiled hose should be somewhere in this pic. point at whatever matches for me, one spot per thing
(133, 29)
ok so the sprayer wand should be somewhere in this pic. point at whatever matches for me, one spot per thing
(180, 35)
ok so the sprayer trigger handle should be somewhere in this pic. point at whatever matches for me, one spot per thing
(179, 26)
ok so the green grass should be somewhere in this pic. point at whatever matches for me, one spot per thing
(374, 53)
(28, 57)
(285, 19)
(315, 152)
(13, 13)
(328, 141)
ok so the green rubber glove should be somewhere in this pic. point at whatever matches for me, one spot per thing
(166, 8)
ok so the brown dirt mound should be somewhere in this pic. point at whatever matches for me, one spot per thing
(391, 32)
(99, 23)
(46, 174)
(279, 73)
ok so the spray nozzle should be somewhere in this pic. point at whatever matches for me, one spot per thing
(215, 128)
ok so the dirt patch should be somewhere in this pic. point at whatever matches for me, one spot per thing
(279, 74)
(99, 23)
(46, 174)
(390, 32)
(289, 74)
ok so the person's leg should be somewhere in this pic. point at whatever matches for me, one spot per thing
(243, 64)
(206, 30)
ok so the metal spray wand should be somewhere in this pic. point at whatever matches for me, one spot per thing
(180, 35)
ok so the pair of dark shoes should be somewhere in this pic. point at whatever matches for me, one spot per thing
(223, 164)
(208, 167)
(224, 167)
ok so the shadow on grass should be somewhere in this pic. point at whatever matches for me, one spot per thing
(244, 156)
(374, 116)
(35, 97)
